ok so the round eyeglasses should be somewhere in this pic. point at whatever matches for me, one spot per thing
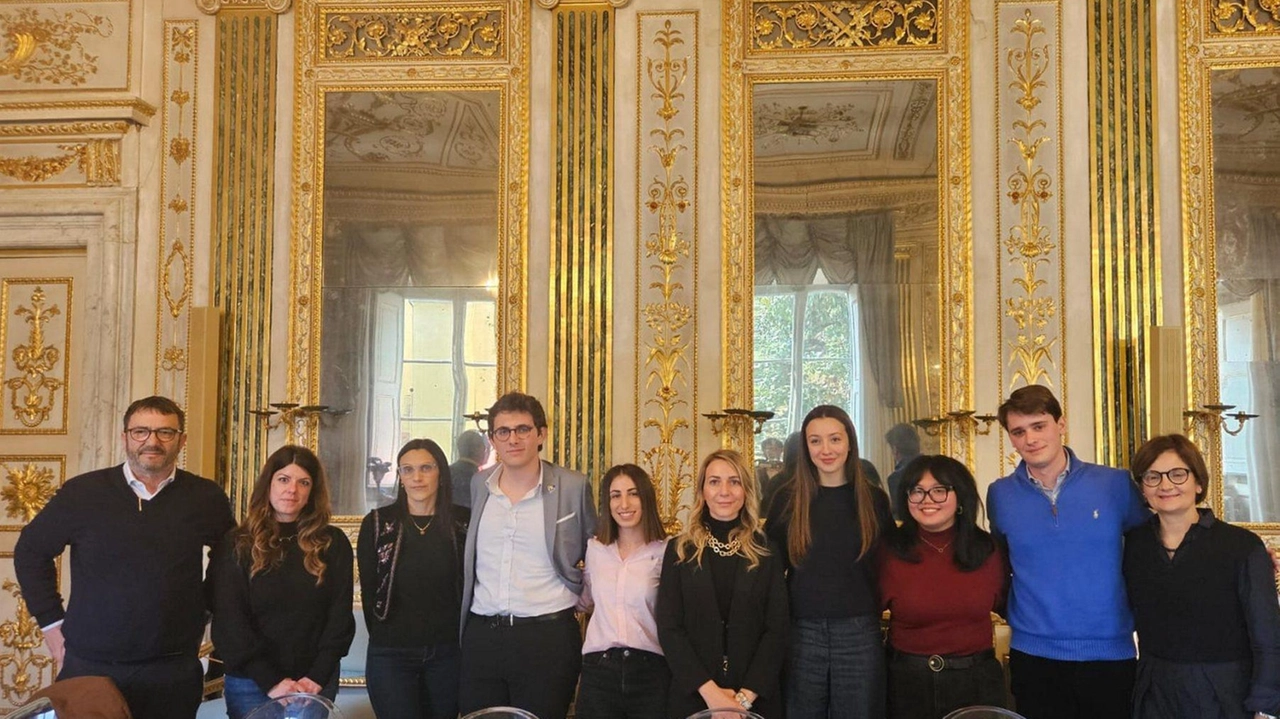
(936, 494)
(502, 434)
(1177, 475)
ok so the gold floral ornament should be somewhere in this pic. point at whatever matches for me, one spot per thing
(843, 24)
(1233, 17)
(44, 47)
(22, 670)
(416, 35)
(33, 393)
(27, 489)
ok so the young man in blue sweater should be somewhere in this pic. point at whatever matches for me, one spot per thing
(1063, 521)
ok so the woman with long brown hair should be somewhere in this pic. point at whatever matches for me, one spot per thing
(827, 521)
(282, 588)
(410, 562)
(722, 601)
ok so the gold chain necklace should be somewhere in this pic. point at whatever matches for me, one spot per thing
(422, 529)
(722, 548)
(935, 547)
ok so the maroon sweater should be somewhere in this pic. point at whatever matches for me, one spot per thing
(934, 607)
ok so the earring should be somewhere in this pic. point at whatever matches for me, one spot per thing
(959, 510)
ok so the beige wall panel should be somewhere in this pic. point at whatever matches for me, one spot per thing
(60, 47)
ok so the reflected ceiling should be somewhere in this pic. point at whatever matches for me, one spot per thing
(1246, 121)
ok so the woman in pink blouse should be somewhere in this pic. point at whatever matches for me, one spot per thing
(624, 674)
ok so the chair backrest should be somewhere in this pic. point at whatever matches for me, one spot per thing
(501, 713)
(984, 712)
(721, 713)
(41, 708)
(297, 706)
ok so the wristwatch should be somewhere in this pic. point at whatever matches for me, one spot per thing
(742, 699)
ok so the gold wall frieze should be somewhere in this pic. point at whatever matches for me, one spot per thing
(666, 383)
(580, 373)
(177, 207)
(28, 484)
(35, 335)
(112, 128)
(842, 25)
(1029, 214)
(96, 161)
(912, 195)
(1124, 216)
(35, 169)
(1243, 17)
(412, 34)
(45, 47)
(22, 669)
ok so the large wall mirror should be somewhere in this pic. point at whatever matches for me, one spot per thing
(847, 240)
(1232, 255)
(847, 237)
(409, 238)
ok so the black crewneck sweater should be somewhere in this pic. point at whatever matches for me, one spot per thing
(279, 624)
(137, 566)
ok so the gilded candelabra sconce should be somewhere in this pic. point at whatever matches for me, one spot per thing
(1214, 417)
(733, 418)
(965, 419)
(295, 417)
(478, 416)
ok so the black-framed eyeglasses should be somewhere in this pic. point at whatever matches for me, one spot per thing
(1177, 475)
(937, 494)
(502, 434)
(142, 434)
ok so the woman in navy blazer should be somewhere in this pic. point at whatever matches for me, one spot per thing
(722, 600)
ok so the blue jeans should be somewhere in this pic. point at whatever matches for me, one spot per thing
(836, 669)
(413, 682)
(242, 695)
(623, 684)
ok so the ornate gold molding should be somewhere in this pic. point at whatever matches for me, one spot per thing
(1029, 84)
(213, 7)
(27, 482)
(666, 149)
(98, 160)
(44, 46)
(37, 390)
(409, 35)
(841, 25)
(22, 670)
(113, 128)
(1244, 17)
(177, 207)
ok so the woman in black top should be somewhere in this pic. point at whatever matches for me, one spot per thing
(282, 588)
(411, 590)
(722, 601)
(827, 520)
(1204, 598)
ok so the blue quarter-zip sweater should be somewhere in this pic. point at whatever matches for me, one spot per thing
(1067, 600)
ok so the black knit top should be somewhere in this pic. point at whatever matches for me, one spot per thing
(426, 594)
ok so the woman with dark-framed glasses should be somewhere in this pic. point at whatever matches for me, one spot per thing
(940, 577)
(1203, 595)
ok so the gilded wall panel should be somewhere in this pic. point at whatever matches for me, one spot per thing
(25, 666)
(35, 334)
(843, 25)
(1029, 214)
(177, 208)
(27, 482)
(409, 33)
(53, 46)
(667, 256)
(1242, 18)
(91, 162)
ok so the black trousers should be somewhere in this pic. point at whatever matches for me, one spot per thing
(917, 692)
(530, 666)
(623, 684)
(164, 688)
(1054, 689)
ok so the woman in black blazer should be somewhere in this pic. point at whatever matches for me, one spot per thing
(722, 601)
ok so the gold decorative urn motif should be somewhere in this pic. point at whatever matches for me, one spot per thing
(22, 670)
(33, 393)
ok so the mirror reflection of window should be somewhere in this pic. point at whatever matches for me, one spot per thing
(411, 224)
(1246, 154)
(847, 254)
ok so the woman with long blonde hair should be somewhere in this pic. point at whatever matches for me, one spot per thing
(282, 588)
(722, 601)
(827, 520)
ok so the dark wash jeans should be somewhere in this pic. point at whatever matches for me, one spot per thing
(623, 684)
(414, 682)
(243, 695)
(836, 669)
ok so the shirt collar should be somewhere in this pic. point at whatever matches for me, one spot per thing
(132, 480)
(492, 481)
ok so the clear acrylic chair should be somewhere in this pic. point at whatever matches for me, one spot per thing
(725, 714)
(501, 713)
(297, 706)
(984, 712)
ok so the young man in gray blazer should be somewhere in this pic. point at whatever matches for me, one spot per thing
(530, 521)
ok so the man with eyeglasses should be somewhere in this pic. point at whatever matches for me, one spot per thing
(530, 521)
(1063, 521)
(137, 532)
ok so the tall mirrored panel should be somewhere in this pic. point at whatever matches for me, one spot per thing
(410, 232)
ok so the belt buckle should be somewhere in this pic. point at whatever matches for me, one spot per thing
(937, 663)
